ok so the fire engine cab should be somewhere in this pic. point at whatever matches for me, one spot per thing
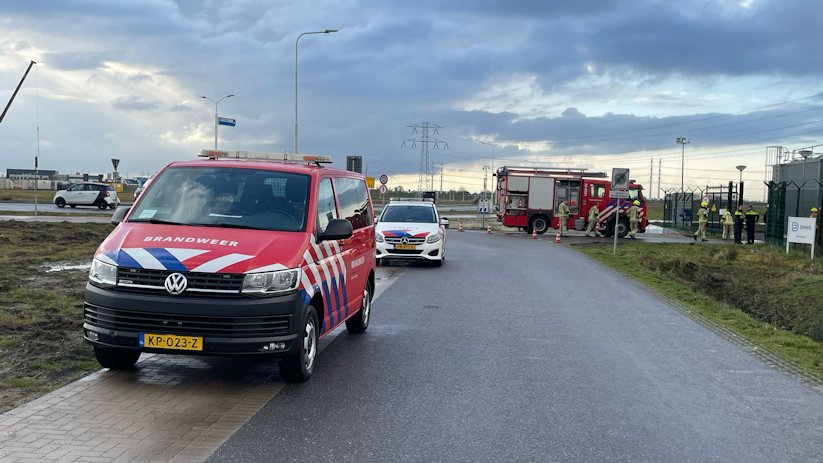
(526, 198)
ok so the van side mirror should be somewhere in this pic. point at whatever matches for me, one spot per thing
(119, 214)
(337, 229)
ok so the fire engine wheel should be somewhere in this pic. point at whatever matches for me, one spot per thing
(622, 229)
(116, 359)
(540, 224)
(299, 368)
(359, 323)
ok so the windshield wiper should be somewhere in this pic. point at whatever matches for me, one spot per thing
(158, 221)
(226, 225)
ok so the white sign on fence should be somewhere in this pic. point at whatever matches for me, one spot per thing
(801, 230)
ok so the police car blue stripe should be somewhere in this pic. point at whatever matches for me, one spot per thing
(167, 259)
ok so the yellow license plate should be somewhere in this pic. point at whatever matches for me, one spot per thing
(170, 341)
(405, 246)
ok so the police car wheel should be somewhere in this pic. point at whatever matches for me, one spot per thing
(299, 368)
(359, 323)
(116, 359)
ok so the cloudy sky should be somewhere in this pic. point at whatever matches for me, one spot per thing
(593, 84)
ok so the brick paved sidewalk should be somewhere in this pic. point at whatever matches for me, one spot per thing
(169, 409)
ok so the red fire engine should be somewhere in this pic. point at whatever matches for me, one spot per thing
(526, 198)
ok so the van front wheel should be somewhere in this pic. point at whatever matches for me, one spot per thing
(299, 368)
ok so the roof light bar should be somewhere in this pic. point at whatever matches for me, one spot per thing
(282, 157)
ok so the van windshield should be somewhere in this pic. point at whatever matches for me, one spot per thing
(225, 197)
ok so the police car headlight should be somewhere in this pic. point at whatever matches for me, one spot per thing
(103, 274)
(379, 237)
(271, 282)
(433, 238)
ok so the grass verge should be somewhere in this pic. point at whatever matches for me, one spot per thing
(41, 312)
(773, 301)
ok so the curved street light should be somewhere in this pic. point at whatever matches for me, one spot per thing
(326, 31)
(215, 114)
(682, 141)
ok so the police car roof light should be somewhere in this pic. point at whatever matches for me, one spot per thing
(279, 157)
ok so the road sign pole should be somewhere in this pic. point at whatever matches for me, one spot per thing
(616, 221)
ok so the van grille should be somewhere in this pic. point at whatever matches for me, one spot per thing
(195, 325)
(202, 282)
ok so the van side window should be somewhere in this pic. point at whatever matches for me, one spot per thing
(597, 191)
(353, 196)
(326, 209)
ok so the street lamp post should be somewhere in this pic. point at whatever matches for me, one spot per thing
(215, 114)
(741, 168)
(326, 31)
(494, 191)
(682, 141)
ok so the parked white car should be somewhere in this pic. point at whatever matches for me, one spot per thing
(411, 229)
(87, 194)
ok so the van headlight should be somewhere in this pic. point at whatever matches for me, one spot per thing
(103, 274)
(433, 238)
(280, 281)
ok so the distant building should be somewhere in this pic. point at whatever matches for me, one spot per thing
(24, 174)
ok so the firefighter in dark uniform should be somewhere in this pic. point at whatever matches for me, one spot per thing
(752, 217)
(739, 218)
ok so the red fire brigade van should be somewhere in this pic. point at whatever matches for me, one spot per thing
(235, 254)
(526, 198)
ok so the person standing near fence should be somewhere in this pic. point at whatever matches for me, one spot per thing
(728, 222)
(702, 222)
(739, 219)
(752, 217)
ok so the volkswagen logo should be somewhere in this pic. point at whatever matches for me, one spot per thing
(404, 240)
(176, 283)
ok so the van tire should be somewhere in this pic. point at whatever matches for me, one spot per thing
(299, 368)
(359, 322)
(539, 223)
(116, 359)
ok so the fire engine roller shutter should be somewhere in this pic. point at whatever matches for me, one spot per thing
(541, 193)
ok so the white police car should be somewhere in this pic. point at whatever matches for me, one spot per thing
(411, 229)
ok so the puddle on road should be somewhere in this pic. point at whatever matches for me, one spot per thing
(60, 267)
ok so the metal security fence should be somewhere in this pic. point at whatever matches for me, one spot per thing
(680, 207)
(789, 199)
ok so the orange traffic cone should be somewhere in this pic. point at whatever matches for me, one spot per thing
(534, 233)
(557, 237)
(460, 228)
(489, 229)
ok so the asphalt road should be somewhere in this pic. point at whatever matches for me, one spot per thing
(522, 350)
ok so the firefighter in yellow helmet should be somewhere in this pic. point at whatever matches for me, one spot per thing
(634, 218)
(563, 217)
(728, 223)
(594, 213)
(813, 214)
(702, 222)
